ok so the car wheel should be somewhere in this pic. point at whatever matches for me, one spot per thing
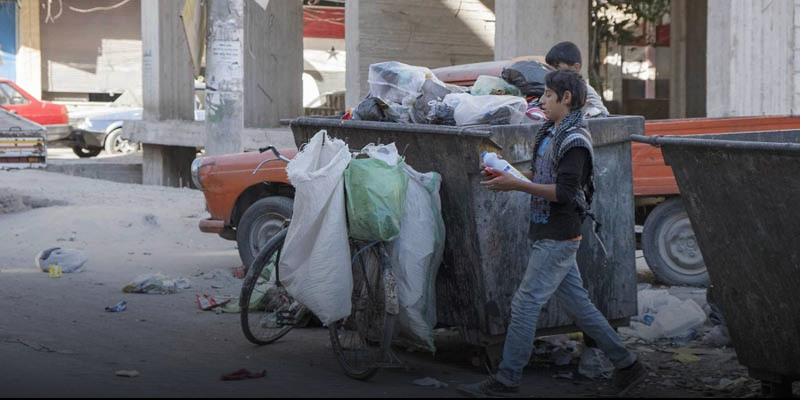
(86, 153)
(115, 144)
(670, 247)
(260, 222)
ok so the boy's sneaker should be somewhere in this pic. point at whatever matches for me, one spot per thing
(487, 388)
(624, 380)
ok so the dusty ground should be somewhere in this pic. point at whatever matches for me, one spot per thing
(57, 340)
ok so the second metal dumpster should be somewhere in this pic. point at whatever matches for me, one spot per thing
(741, 192)
(486, 249)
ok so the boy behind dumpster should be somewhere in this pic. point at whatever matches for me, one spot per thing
(566, 55)
(561, 185)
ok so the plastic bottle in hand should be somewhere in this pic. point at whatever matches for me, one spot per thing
(496, 163)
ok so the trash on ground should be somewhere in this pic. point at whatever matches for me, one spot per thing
(206, 302)
(55, 271)
(156, 284)
(430, 382)
(128, 374)
(686, 358)
(119, 307)
(719, 336)
(662, 315)
(564, 375)
(560, 349)
(70, 260)
(243, 374)
(727, 384)
(595, 365)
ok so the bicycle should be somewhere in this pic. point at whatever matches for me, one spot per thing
(361, 341)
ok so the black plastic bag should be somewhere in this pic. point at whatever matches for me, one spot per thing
(528, 76)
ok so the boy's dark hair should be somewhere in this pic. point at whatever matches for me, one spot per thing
(562, 80)
(566, 52)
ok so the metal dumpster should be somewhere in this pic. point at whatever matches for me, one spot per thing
(486, 248)
(741, 192)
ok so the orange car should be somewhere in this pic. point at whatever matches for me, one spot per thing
(248, 195)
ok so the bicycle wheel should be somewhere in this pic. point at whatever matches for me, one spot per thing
(362, 340)
(267, 311)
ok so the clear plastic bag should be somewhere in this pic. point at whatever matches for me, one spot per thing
(489, 110)
(486, 85)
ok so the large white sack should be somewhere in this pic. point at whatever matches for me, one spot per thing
(416, 256)
(315, 262)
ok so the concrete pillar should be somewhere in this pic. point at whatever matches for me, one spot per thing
(751, 63)
(533, 27)
(796, 102)
(29, 55)
(430, 33)
(688, 35)
(168, 89)
(273, 62)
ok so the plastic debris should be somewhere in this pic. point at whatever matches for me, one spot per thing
(243, 374)
(595, 365)
(206, 302)
(528, 76)
(662, 315)
(486, 85)
(430, 382)
(686, 358)
(564, 375)
(719, 336)
(156, 284)
(128, 374)
(70, 260)
(120, 307)
(728, 385)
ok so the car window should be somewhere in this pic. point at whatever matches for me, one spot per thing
(13, 97)
(4, 98)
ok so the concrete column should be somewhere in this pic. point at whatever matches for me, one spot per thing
(751, 58)
(225, 77)
(273, 62)
(677, 43)
(533, 27)
(428, 33)
(29, 55)
(796, 102)
(168, 89)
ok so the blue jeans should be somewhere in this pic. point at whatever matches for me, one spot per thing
(553, 269)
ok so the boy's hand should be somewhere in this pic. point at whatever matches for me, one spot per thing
(504, 181)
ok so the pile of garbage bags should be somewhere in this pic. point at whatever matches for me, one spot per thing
(373, 195)
(410, 94)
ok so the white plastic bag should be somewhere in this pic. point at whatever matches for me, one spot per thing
(315, 263)
(416, 255)
(491, 110)
(70, 260)
(397, 82)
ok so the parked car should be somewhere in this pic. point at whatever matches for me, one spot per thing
(248, 195)
(53, 117)
(106, 124)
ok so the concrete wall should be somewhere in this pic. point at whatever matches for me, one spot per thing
(751, 58)
(688, 38)
(98, 51)
(431, 33)
(796, 102)
(29, 55)
(533, 27)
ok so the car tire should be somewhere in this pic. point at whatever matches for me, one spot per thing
(259, 223)
(670, 247)
(86, 153)
(115, 144)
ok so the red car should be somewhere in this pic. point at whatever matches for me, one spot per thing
(52, 116)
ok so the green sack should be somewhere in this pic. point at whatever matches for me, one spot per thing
(376, 196)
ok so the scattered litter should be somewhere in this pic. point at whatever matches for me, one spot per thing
(120, 307)
(70, 260)
(486, 85)
(488, 110)
(128, 374)
(156, 284)
(150, 219)
(727, 384)
(243, 374)
(595, 365)
(207, 303)
(430, 382)
(528, 76)
(719, 336)
(564, 375)
(561, 349)
(686, 358)
(662, 315)
(55, 271)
